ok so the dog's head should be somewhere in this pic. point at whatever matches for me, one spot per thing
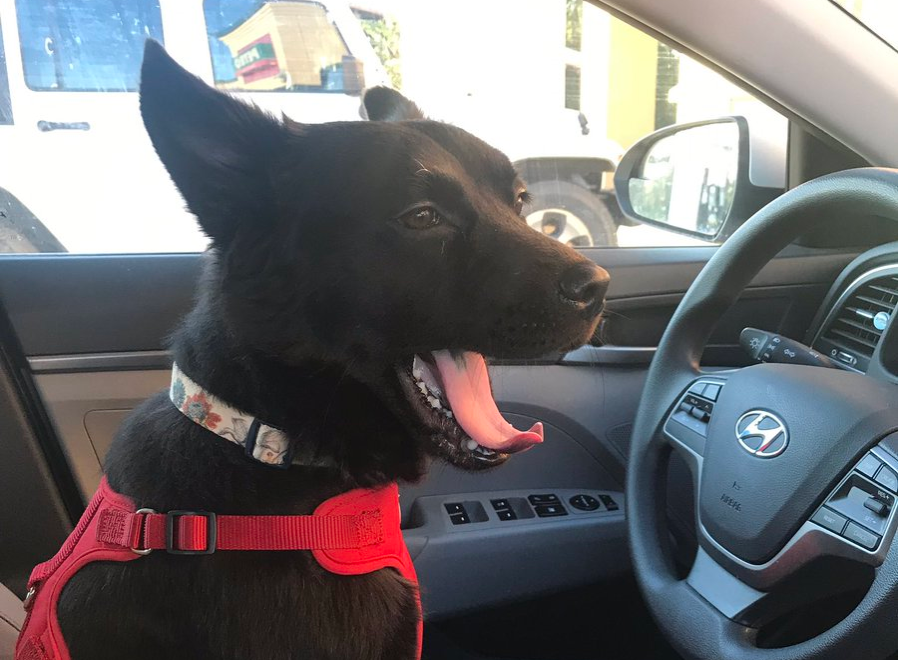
(393, 248)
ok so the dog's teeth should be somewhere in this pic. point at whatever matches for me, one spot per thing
(416, 372)
(433, 401)
(422, 387)
(449, 414)
(472, 445)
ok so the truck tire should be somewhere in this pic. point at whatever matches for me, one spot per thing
(570, 214)
(21, 231)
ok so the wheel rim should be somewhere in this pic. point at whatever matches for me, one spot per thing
(562, 225)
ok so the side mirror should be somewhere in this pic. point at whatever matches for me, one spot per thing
(692, 179)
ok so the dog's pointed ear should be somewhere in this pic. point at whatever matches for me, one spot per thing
(216, 149)
(385, 104)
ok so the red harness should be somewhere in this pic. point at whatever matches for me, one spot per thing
(350, 534)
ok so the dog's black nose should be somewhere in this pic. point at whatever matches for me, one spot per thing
(585, 285)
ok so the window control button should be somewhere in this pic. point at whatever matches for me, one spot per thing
(886, 478)
(550, 510)
(506, 515)
(830, 520)
(499, 505)
(860, 536)
(454, 507)
(460, 519)
(609, 502)
(869, 465)
(584, 502)
(549, 498)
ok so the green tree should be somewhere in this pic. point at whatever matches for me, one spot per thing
(383, 33)
(573, 33)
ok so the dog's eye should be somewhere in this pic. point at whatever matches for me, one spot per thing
(521, 200)
(423, 217)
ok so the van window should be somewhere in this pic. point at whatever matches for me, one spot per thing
(286, 46)
(5, 101)
(85, 45)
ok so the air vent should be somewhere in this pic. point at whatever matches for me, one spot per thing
(854, 328)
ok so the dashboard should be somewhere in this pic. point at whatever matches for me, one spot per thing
(854, 324)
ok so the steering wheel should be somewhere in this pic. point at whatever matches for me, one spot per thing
(793, 465)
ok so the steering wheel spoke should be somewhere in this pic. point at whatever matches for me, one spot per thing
(728, 594)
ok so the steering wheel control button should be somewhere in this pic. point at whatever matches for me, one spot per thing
(549, 498)
(506, 514)
(460, 519)
(695, 402)
(861, 536)
(550, 510)
(852, 499)
(712, 391)
(453, 508)
(700, 415)
(698, 389)
(887, 479)
(584, 502)
(869, 465)
(830, 520)
(609, 502)
(877, 506)
(500, 505)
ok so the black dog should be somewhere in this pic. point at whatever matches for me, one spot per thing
(340, 252)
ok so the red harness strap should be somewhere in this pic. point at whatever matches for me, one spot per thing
(350, 534)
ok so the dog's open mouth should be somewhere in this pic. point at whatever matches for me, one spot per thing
(452, 392)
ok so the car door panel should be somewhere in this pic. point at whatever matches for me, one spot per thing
(93, 328)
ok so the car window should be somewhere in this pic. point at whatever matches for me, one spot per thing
(277, 46)
(85, 45)
(5, 103)
(562, 87)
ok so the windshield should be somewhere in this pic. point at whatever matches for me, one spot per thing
(879, 16)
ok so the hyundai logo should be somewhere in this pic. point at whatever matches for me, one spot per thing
(762, 434)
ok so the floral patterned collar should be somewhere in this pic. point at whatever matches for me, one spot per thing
(260, 441)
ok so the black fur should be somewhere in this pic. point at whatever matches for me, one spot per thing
(315, 294)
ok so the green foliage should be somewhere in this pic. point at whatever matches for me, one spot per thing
(573, 29)
(383, 33)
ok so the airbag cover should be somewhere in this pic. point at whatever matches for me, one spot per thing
(752, 505)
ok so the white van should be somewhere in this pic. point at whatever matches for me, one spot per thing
(73, 145)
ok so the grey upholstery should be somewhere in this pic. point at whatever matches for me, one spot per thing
(12, 616)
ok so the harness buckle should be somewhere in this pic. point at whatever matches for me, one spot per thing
(145, 513)
(29, 598)
(171, 540)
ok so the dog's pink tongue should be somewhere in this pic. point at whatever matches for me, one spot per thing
(467, 385)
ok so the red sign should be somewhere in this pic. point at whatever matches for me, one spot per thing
(257, 60)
